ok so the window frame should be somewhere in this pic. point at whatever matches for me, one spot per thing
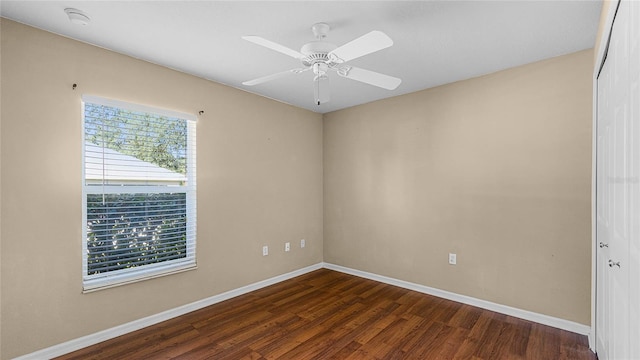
(149, 271)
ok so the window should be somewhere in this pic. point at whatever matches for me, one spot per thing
(139, 192)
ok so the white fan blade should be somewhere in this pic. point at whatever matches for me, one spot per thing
(370, 77)
(263, 79)
(273, 46)
(365, 44)
(321, 89)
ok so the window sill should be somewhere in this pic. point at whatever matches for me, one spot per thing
(94, 285)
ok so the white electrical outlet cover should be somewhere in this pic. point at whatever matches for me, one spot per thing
(302, 243)
(265, 250)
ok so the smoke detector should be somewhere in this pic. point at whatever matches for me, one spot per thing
(77, 17)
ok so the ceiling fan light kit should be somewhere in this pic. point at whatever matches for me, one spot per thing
(321, 57)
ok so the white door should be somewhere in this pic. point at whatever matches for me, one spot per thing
(618, 262)
(618, 191)
(634, 245)
(603, 210)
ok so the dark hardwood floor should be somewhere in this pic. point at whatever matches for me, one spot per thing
(331, 315)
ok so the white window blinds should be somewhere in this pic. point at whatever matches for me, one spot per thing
(139, 192)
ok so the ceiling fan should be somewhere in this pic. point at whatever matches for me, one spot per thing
(321, 57)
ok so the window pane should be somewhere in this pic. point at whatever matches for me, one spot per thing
(130, 230)
(128, 147)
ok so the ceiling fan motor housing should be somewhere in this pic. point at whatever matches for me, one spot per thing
(316, 51)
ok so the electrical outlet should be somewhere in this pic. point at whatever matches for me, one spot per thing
(302, 243)
(287, 246)
(265, 250)
(452, 259)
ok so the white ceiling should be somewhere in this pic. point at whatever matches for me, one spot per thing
(435, 42)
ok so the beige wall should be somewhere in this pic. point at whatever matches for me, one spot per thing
(496, 169)
(259, 182)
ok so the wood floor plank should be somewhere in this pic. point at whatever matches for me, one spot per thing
(330, 315)
(434, 340)
(346, 351)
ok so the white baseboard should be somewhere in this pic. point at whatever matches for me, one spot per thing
(92, 339)
(80, 343)
(503, 309)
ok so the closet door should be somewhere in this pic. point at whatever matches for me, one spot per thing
(604, 164)
(618, 191)
(613, 206)
(620, 154)
(634, 244)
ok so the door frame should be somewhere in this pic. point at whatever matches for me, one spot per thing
(600, 57)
